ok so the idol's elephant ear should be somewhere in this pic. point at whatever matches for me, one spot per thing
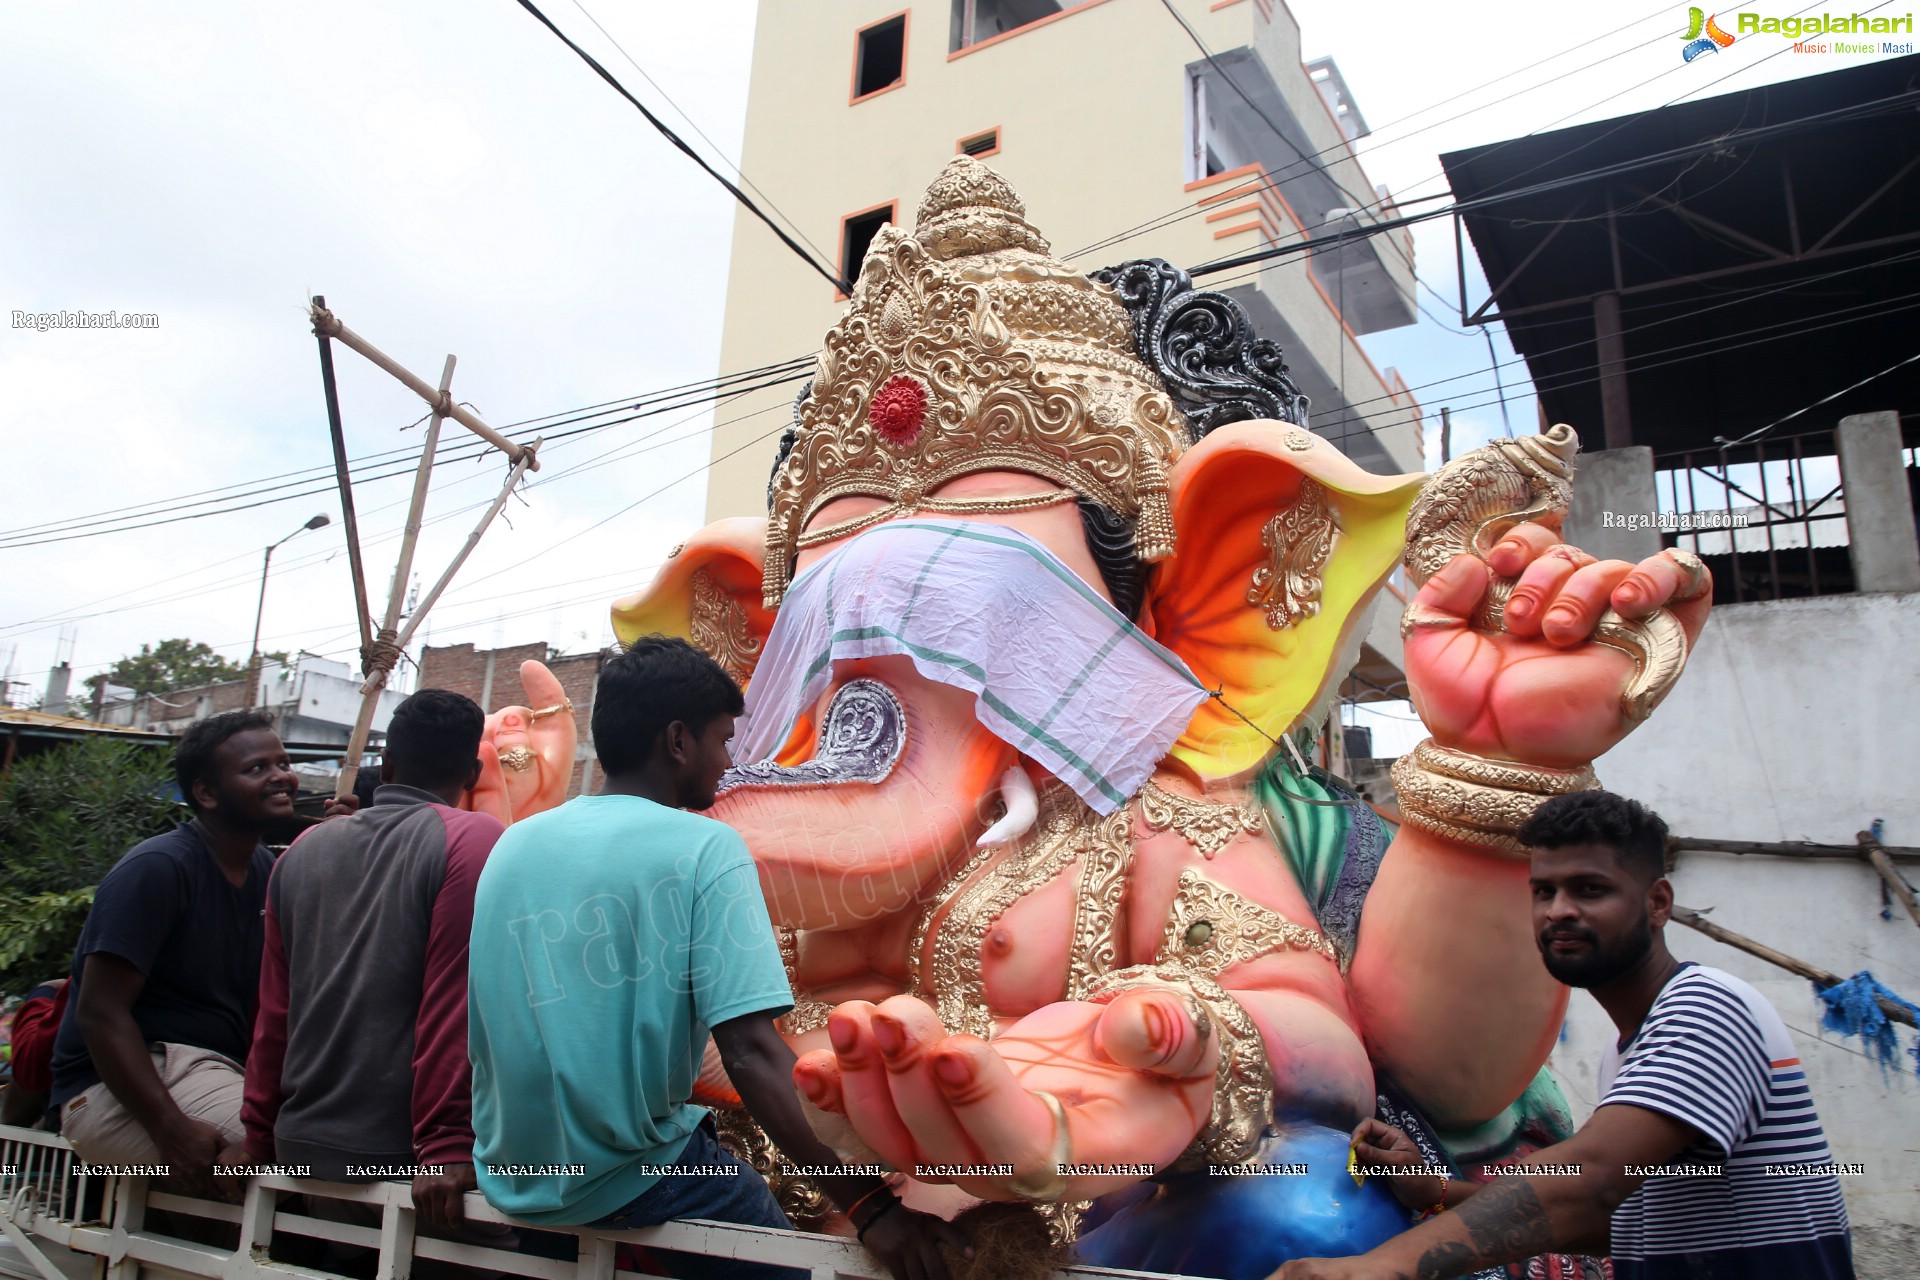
(707, 592)
(1282, 543)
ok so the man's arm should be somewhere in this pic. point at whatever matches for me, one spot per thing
(260, 1107)
(760, 1065)
(1519, 1215)
(109, 986)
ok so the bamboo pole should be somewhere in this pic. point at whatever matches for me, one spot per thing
(383, 656)
(1884, 865)
(1787, 849)
(1740, 942)
(363, 615)
(370, 692)
(327, 324)
(520, 468)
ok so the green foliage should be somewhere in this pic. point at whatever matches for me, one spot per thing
(37, 934)
(175, 664)
(66, 816)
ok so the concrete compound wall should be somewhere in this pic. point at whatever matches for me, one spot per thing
(1797, 720)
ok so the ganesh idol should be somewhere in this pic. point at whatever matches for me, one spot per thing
(1052, 587)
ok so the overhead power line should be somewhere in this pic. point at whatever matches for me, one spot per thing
(745, 181)
(315, 483)
(1379, 143)
(681, 143)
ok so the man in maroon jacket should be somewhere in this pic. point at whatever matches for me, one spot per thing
(35, 1023)
(359, 1062)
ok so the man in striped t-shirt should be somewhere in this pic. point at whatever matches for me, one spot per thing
(1704, 1159)
(1754, 1194)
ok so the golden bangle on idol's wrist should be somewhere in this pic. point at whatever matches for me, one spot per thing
(1243, 1078)
(1475, 800)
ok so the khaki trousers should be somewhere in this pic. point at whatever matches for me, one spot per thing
(205, 1085)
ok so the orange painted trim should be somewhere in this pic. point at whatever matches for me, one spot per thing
(1252, 207)
(1245, 170)
(1266, 9)
(1238, 191)
(1253, 180)
(960, 143)
(1224, 4)
(1256, 225)
(1020, 31)
(893, 215)
(853, 88)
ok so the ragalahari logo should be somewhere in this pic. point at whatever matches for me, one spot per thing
(1713, 40)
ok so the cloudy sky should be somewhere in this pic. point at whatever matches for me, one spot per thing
(454, 180)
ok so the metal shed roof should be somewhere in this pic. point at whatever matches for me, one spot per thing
(1763, 248)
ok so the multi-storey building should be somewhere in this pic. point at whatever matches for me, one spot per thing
(1189, 130)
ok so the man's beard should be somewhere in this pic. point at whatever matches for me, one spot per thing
(1599, 964)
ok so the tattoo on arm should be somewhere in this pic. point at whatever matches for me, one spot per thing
(1506, 1224)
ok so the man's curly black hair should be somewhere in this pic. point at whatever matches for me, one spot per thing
(1626, 826)
(434, 738)
(653, 682)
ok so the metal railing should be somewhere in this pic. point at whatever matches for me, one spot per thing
(47, 1198)
(1769, 517)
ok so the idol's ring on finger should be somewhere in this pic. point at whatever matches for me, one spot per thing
(1695, 581)
(1202, 1024)
(1571, 554)
(518, 759)
(565, 704)
(1047, 1184)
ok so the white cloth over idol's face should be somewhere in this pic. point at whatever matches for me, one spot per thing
(1057, 671)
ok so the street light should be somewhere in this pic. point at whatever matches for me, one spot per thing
(266, 562)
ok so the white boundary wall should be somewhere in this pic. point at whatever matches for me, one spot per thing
(1796, 720)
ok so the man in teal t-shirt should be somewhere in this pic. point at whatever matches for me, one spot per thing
(611, 936)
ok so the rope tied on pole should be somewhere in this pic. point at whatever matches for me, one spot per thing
(383, 654)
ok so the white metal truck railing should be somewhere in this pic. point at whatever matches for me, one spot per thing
(49, 1204)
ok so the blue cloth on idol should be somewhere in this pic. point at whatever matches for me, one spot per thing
(1241, 1224)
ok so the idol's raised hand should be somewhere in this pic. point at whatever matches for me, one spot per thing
(526, 754)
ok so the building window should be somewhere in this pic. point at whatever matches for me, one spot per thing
(857, 231)
(880, 56)
(1213, 145)
(981, 144)
(975, 21)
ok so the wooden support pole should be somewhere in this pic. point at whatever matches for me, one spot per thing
(1884, 865)
(520, 468)
(403, 568)
(1788, 849)
(328, 325)
(1740, 942)
(363, 615)
(384, 655)
(376, 680)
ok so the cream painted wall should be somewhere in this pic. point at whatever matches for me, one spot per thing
(1796, 720)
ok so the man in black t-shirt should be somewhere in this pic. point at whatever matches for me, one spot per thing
(147, 1067)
